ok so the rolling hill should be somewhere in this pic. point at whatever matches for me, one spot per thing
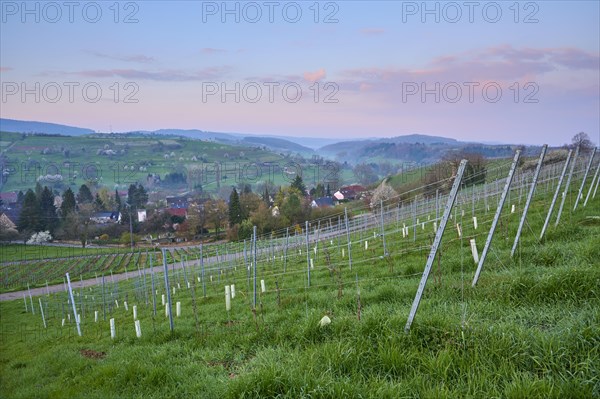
(16, 126)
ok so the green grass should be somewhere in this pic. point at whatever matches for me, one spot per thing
(239, 163)
(530, 328)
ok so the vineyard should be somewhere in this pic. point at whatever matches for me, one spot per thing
(488, 290)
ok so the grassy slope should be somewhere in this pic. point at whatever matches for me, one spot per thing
(529, 329)
(83, 151)
(238, 162)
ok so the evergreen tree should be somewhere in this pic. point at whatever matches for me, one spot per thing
(68, 204)
(84, 196)
(247, 189)
(298, 184)
(266, 197)
(29, 219)
(48, 217)
(117, 200)
(137, 197)
(235, 209)
(20, 197)
(328, 191)
(38, 190)
(141, 196)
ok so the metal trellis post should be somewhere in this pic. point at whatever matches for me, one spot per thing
(436, 243)
(488, 242)
(529, 198)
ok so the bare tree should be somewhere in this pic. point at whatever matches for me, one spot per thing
(582, 140)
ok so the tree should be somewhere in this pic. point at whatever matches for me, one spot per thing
(68, 204)
(382, 193)
(262, 218)
(266, 197)
(319, 190)
(216, 214)
(98, 204)
(235, 208)
(8, 230)
(117, 201)
(38, 190)
(137, 197)
(84, 195)
(475, 171)
(292, 208)
(107, 199)
(249, 202)
(196, 218)
(279, 197)
(77, 224)
(298, 184)
(20, 197)
(364, 173)
(175, 178)
(48, 216)
(29, 219)
(246, 229)
(40, 238)
(246, 188)
(582, 140)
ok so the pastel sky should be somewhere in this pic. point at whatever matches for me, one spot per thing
(513, 72)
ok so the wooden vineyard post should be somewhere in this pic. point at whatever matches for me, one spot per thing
(560, 180)
(436, 243)
(488, 242)
(529, 198)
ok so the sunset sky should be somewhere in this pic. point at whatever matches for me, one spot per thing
(525, 72)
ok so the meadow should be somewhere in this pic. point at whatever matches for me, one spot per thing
(115, 161)
(529, 328)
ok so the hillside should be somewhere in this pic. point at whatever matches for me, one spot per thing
(528, 329)
(117, 160)
(16, 126)
(278, 144)
(414, 148)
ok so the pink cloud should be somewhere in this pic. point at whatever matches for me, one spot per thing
(314, 76)
(5, 69)
(500, 63)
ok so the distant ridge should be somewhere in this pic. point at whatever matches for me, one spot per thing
(277, 143)
(194, 134)
(17, 126)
